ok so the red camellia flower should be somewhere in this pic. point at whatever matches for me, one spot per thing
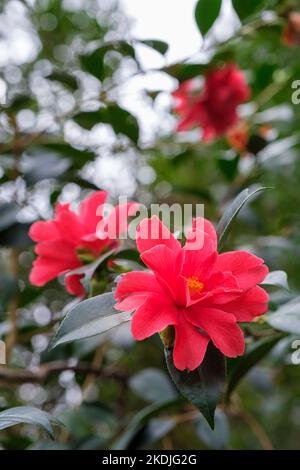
(201, 293)
(291, 31)
(215, 107)
(69, 237)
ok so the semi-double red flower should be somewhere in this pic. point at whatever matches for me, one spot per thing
(201, 293)
(70, 237)
(214, 108)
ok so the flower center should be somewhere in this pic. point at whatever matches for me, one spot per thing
(194, 284)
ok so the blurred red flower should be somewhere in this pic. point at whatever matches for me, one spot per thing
(215, 107)
(291, 31)
(201, 293)
(67, 239)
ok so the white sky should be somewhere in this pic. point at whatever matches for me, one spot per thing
(169, 20)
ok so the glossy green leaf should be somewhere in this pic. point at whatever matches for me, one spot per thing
(9, 287)
(229, 167)
(87, 270)
(8, 215)
(94, 64)
(234, 208)
(286, 318)
(46, 166)
(206, 13)
(160, 46)
(121, 121)
(276, 278)
(185, 71)
(65, 78)
(135, 434)
(245, 8)
(89, 318)
(239, 367)
(152, 385)
(27, 415)
(202, 387)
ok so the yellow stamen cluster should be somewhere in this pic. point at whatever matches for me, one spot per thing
(194, 284)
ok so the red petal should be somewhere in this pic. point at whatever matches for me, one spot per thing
(221, 327)
(250, 304)
(74, 286)
(247, 268)
(58, 250)
(167, 266)
(69, 227)
(42, 231)
(134, 288)
(137, 282)
(152, 317)
(88, 210)
(45, 269)
(152, 232)
(207, 228)
(190, 345)
(116, 223)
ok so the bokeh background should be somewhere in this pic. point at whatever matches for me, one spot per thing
(54, 147)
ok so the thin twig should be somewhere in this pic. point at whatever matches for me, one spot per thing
(45, 371)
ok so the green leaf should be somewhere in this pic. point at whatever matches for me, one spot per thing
(89, 318)
(185, 71)
(78, 157)
(202, 387)
(20, 102)
(160, 46)
(135, 434)
(28, 415)
(276, 278)
(240, 366)
(286, 318)
(245, 8)
(234, 208)
(228, 166)
(152, 385)
(65, 78)
(121, 121)
(9, 287)
(8, 215)
(94, 64)
(206, 13)
(87, 270)
(46, 166)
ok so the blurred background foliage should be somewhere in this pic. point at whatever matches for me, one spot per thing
(67, 127)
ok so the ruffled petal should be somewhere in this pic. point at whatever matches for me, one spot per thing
(137, 282)
(74, 286)
(152, 317)
(90, 210)
(42, 231)
(167, 266)
(58, 249)
(46, 269)
(151, 232)
(221, 327)
(190, 345)
(250, 304)
(134, 288)
(248, 269)
(116, 224)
